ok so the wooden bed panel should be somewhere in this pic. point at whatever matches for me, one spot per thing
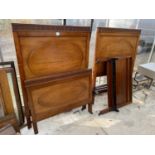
(124, 82)
(49, 96)
(53, 96)
(114, 42)
(122, 45)
(9, 93)
(110, 46)
(121, 81)
(5, 93)
(44, 50)
(49, 55)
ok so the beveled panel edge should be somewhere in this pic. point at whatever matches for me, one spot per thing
(35, 27)
(117, 30)
(45, 79)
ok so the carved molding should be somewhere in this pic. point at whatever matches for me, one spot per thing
(56, 77)
(32, 27)
(118, 30)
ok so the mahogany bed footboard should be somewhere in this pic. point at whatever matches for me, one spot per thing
(52, 95)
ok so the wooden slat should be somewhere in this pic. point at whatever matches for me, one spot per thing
(5, 89)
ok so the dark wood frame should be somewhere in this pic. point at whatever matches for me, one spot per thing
(112, 81)
(9, 67)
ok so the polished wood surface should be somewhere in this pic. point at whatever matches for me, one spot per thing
(123, 82)
(114, 42)
(9, 68)
(5, 93)
(6, 102)
(44, 51)
(52, 95)
(56, 49)
(121, 44)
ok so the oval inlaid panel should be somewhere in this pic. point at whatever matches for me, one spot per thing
(54, 58)
(62, 94)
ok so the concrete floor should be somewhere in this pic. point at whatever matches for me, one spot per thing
(136, 118)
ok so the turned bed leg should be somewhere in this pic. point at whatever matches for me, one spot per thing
(83, 107)
(28, 122)
(90, 108)
(35, 127)
(28, 118)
